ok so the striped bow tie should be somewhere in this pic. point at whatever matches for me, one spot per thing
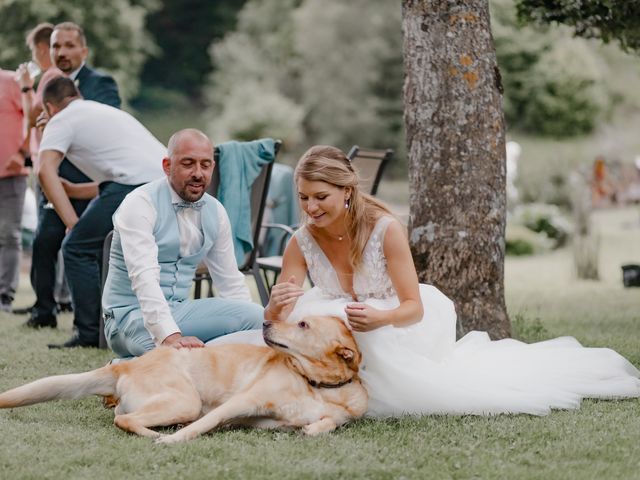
(195, 205)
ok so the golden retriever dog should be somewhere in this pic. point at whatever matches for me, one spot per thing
(307, 377)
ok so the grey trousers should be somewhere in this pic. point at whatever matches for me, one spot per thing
(12, 191)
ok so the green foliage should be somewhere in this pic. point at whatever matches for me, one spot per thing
(518, 246)
(604, 19)
(520, 240)
(528, 330)
(567, 93)
(118, 42)
(544, 218)
(183, 31)
(289, 58)
(554, 85)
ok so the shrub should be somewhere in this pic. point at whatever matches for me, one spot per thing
(519, 240)
(544, 218)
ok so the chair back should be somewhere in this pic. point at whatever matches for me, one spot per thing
(259, 191)
(369, 164)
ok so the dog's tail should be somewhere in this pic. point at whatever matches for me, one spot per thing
(101, 381)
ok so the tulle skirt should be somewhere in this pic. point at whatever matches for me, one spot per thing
(422, 369)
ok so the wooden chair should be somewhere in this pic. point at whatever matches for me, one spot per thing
(259, 190)
(369, 164)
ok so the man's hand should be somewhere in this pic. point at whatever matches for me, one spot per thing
(176, 340)
(80, 191)
(22, 76)
(42, 120)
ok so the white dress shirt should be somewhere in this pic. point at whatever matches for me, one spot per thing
(134, 220)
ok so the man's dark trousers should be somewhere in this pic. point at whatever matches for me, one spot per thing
(82, 253)
(46, 244)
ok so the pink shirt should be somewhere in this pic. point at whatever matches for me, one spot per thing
(36, 135)
(11, 119)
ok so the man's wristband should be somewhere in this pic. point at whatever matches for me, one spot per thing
(26, 89)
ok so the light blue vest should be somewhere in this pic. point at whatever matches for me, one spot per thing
(176, 272)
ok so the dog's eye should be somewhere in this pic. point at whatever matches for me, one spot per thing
(303, 324)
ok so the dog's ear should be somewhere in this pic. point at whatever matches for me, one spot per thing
(350, 356)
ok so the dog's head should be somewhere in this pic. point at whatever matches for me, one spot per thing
(321, 348)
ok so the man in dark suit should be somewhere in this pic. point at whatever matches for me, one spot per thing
(68, 51)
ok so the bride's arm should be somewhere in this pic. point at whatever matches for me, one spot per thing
(285, 293)
(403, 276)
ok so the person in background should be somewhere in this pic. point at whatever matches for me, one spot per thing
(38, 40)
(118, 154)
(13, 183)
(68, 52)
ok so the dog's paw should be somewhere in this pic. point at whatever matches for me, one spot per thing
(167, 439)
(177, 437)
(317, 428)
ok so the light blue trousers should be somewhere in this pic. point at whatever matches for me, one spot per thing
(205, 318)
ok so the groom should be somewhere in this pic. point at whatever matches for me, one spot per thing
(162, 231)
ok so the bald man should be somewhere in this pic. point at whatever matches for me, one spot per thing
(162, 231)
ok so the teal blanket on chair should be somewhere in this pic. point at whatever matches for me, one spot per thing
(239, 165)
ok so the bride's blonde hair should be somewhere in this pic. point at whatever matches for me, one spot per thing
(323, 163)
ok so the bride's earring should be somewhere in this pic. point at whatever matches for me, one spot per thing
(346, 203)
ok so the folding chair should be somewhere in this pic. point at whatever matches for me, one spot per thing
(259, 190)
(106, 252)
(369, 164)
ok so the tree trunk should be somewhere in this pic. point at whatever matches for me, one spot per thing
(456, 148)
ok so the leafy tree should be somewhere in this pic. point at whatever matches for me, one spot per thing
(605, 19)
(254, 89)
(183, 31)
(329, 71)
(555, 85)
(117, 39)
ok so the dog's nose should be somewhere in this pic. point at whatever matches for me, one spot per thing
(267, 324)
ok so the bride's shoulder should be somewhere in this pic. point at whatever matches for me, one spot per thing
(391, 230)
(388, 223)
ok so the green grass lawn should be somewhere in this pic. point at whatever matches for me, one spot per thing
(76, 439)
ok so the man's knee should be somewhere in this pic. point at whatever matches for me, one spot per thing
(252, 316)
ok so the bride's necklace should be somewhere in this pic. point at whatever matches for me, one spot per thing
(335, 237)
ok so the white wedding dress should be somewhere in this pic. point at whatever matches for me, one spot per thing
(422, 369)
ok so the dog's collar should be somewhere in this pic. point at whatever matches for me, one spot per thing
(315, 384)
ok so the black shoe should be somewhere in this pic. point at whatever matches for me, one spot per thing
(23, 310)
(73, 342)
(5, 303)
(40, 321)
(65, 307)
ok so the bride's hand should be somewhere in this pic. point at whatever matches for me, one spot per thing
(364, 318)
(283, 297)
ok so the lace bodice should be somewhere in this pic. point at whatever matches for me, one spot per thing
(371, 280)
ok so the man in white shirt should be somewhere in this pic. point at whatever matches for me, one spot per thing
(162, 231)
(118, 154)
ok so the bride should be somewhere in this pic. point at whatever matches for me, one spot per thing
(359, 260)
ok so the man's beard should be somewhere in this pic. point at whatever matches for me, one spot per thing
(187, 196)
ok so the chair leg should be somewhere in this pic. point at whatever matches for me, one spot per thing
(102, 340)
(260, 284)
(197, 292)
